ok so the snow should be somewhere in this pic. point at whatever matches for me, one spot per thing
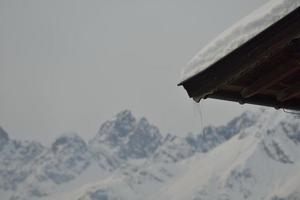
(241, 168)
(238, 34)
(258, 159)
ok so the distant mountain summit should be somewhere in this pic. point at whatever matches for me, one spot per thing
(255, 156)
(118, 129)
(3, 137)
(130, 138)
(69, 142)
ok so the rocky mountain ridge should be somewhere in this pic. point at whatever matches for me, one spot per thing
(129, 158)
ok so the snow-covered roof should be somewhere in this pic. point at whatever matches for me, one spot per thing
(239, 34)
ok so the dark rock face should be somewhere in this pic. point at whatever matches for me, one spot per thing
(69, 142)
(132, 138)
(213, 136)
(114, 132)
(16, 162)
(69, 157)
(99, 194)
(142, 142)
(3, 137)
(125, 123)
(239, 123)
(295, 196)
(292, 131)
(275, 152)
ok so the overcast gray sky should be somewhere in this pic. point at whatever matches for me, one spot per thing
(69, 65)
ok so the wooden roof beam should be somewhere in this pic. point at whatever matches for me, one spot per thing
(260, 99)
(294, 46)
(289, 93)
(269, 79)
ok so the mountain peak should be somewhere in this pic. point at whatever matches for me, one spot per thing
(143, 141)
(117, 129)
(130, 137)
(143, 122)
(68, 140)
(3, 136)
(125, 122)
(124, 114)
(251, 156)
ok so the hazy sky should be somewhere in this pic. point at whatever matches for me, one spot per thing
(69, 65)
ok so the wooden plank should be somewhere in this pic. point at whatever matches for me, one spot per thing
(289, 93)
(239, 88)
(263, 100)
(269, 79)
(294, 46)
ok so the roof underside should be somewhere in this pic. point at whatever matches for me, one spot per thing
(265, 70)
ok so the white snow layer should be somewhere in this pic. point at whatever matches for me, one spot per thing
(238, 34)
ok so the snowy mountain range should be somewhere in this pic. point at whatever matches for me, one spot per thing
(255, 156)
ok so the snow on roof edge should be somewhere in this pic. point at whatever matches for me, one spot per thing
(238, 34)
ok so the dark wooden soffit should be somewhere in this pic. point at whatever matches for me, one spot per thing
(265, 70)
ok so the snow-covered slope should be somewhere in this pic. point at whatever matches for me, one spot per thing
(260, 162)
(255, 156)
(29, 170)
